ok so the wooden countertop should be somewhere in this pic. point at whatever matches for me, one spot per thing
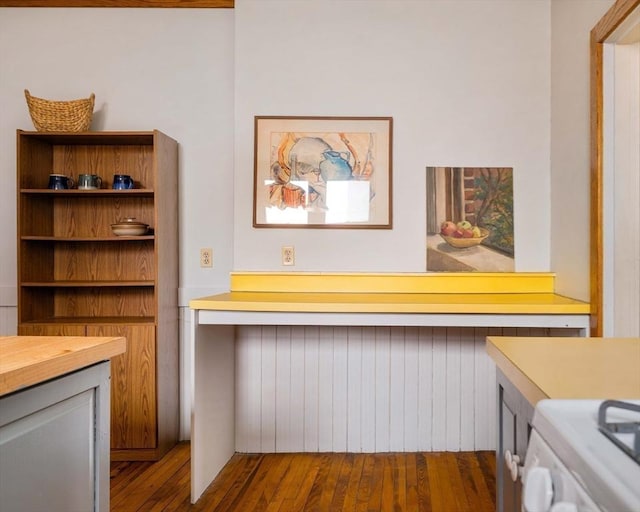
(29, 360)
(569, 368)
(467, 293)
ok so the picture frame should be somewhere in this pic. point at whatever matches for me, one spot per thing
(322, 172)
(470, 219)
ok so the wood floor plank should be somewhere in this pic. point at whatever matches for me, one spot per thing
(145, 484)
(424, 484)
(159, 501)
(320, 482)
(377, 478)
(351, 492)
(232, 483)
(487, 463)
(123, 473)
(342, 482)
(388, 485)
(287, 489)
(313, 499)
(442, 497)
(366, 483)
(455, 481)
(182, 497)
(329, 488)
(411, 484)
(305, 487)
(399, 470)
(271, 472)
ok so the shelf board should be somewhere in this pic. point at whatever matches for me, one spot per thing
(101, 320)
(134, 192)
(86, 284)
(39, 238)
(93, 138)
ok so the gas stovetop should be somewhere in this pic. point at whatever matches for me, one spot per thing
(608, 470)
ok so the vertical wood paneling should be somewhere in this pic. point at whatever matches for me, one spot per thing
(248, 388)
(325, 390)
(396, 389)
(453, 392)
(382, 355)
(411, 388)
(367, 389)
(297, 397)
(243, 396)
(340, 386)
(468, 412)
(311, 388)
(439, 398)
(425, 388)
(354, 389)
(268, 391)
(283, 390)
(484, 390)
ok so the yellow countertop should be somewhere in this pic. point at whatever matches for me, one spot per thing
(479, 303)
(29, 360)
(431, 293)
(569, 368)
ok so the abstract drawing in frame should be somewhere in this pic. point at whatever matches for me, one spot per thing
(322, 172)
(470, 219)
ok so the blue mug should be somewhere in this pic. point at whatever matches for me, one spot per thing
(122, 182)
(59, 182)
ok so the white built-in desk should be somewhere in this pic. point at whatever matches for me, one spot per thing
(437, 299)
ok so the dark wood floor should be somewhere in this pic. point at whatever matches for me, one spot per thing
(394, 482)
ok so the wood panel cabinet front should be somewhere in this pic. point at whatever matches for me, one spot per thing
(133, 387)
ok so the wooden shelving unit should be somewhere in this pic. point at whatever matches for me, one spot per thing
(75, 277)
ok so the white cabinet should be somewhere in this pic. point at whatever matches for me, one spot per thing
(54, 444)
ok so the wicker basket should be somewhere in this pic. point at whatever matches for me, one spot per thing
(60, 116)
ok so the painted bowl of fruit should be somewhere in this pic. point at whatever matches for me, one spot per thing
(463, 234)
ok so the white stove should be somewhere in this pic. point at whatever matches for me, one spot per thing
(572, 466)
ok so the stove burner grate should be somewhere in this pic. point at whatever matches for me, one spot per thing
(610, 429)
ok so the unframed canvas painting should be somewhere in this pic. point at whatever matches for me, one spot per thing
(470, 219)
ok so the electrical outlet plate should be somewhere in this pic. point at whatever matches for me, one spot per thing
(288, 255)
(206, 257)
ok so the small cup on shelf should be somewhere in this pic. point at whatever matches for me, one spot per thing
(122, 182)
(89, 181)
(60, 182)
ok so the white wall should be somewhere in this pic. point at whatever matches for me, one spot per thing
(467, 83)
(166, 69)
(571, 23)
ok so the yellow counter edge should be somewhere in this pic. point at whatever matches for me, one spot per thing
(222, 303)
(532, 393)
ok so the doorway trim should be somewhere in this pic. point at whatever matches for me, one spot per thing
(616, 14)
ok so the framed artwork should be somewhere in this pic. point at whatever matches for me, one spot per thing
(470, 219)
(322, 172)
